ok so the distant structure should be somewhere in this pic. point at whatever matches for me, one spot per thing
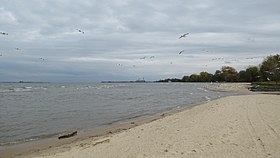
(183, 35)
(140, 80)
(137, 81)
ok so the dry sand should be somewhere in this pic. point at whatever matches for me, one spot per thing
(236, 126)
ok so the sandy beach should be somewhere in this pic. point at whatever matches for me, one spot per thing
(235, 126)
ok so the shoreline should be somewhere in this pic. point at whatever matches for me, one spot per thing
(114, 128)
(31, 147)
(233, 126)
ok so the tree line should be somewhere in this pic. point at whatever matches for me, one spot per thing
(268, 70)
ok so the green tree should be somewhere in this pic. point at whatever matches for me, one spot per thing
(204, 77)
(229, 74)
(270, 68)
(186, 78)
(242, 76)
(252, 74)
(218, 76)
(194, 78)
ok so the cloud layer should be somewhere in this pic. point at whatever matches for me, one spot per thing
(119, 33)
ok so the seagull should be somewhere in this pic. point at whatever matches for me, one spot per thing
(143, 58)
(269, 72)
(17, 49)
(183, 35)
(181, 51)
(81, 31)
(152, 57)
(42, 59)
(3, 33)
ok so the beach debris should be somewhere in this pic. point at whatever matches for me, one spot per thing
(79, 30)
(194, 150)
(181, 51)
(101, 142)
(68, 135)
(183, 35)
(4, 33)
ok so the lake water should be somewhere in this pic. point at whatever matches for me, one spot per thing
(30, 111)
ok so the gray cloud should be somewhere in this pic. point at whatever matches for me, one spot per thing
(122, 32)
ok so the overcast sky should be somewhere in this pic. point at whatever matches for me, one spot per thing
(117, 33)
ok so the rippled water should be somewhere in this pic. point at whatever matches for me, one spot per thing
(31, 111)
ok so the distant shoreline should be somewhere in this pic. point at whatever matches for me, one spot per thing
(25, 82)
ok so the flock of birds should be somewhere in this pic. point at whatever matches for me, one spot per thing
(18, 49)
(184, 35)
(4, 33)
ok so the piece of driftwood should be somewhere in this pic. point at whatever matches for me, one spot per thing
(68, 135)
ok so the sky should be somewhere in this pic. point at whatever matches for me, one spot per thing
(44, 43)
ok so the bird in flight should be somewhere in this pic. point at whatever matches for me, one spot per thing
(152, 57)
(143, 58)
(3, 33)
(181, 51)
(17, 49)
(79, 30)
(183, 35)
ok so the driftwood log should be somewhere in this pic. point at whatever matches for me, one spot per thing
(68, 135)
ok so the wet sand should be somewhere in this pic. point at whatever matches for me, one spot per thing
(236, 126)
